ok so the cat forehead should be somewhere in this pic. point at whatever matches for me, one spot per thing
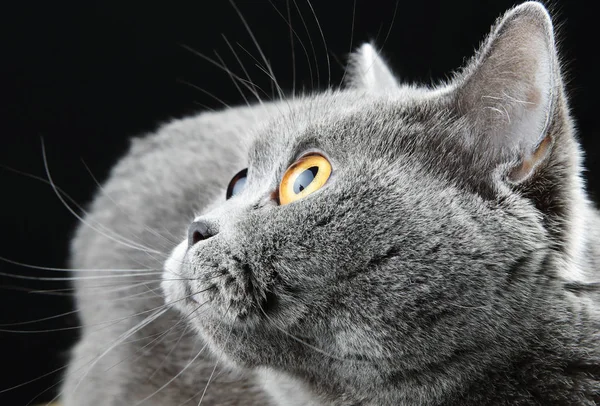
(351, 120)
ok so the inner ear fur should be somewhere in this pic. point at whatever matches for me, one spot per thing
(508, 92)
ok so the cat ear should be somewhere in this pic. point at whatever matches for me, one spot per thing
(367, 70)
(509, 90)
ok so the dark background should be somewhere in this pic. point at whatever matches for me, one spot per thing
(85, 77)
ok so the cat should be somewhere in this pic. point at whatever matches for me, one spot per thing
(383, 244)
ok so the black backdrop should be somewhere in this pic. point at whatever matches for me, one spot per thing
(85, 77)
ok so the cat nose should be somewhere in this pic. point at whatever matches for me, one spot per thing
(199, 231)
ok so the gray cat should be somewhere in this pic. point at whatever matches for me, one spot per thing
(387, 245)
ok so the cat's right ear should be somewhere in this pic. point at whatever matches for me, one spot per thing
(510, 91)
(368, 71)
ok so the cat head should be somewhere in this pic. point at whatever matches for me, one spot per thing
(384, 229)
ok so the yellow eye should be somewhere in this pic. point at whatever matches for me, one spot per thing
(304, 177)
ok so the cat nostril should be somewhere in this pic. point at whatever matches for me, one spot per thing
(198, 231)
(196, 236)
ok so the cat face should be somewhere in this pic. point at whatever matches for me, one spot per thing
(385, 252)
(425, 241)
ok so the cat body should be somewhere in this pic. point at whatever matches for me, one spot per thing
(451, 257)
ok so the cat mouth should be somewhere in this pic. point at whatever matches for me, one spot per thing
(196, 298)
(224, 287)
(232, 296)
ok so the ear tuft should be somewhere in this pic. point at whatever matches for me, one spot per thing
(367, 70)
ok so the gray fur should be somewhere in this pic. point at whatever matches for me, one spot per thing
(451, 259)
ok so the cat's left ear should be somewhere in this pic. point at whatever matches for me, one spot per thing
(510, 91)
(367, 70)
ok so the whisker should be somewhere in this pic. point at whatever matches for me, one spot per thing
(345, 66)
(108, 196)
(68, 292)
(264, 58)
(320, 351)
(206, 92)
(74, 278)
(102, 323)
(391, 24)
(53, 269)
(324, 43)
(56, 316)
(204, 106)
(123, 337)
(242, 66)
(273, 80)
(293, 31)
(148, 347)
(379, 48)
(259, 65)
(180, 372)
(58, 189)
(167, 356)
(248, 84)
(95, 359)
(20, 385)
(287, 5)
(312, 46)
(160, 311)
(120, 287)
(217, 361)
(235, 83)
(125, 242)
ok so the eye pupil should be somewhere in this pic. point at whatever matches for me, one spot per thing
(305, 179)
